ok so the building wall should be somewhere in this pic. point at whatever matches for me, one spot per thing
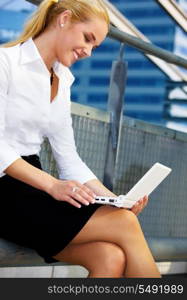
(177, 111)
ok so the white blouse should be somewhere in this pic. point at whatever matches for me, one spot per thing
(27, 115)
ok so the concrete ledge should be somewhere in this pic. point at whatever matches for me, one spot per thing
(163, 249)
(12, 255)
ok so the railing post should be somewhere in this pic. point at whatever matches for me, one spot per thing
(115, 107)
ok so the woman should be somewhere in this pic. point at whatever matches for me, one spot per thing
(58, 217)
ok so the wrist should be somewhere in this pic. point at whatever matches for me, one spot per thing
(50, 184)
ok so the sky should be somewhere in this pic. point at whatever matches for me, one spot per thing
(15, 4)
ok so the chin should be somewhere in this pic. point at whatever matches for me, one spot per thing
(67, 63)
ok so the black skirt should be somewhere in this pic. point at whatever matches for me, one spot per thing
(32, 218)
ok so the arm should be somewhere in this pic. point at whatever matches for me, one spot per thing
(25, 172)
(12, 164)
(61, 137)
(58, 189)
(7, 154)
(70, 164)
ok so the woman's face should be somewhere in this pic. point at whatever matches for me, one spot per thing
(75, 41)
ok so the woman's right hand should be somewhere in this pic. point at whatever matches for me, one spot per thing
(72, 192)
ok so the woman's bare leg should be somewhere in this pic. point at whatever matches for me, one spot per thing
(121, 227)
(101, 259)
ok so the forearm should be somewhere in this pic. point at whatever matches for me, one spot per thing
(23, 171)
(98, 188)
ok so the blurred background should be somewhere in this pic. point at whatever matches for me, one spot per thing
(149, 90)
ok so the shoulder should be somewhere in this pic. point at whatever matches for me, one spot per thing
(4, 59)
(8, 55)
(9, 50)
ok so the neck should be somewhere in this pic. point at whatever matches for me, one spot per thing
(46, 49)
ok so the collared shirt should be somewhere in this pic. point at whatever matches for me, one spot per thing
(27, 115)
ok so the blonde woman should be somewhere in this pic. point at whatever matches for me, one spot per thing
(58, 217)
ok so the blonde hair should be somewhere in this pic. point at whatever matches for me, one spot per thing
(48, 10)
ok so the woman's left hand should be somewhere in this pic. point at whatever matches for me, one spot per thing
(140, 205)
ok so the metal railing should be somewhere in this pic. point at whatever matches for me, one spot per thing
(123, 24)
(147, 47)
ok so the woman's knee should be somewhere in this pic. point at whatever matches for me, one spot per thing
(119, 217)
(110, 260)
(127, 219)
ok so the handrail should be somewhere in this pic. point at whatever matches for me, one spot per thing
(158, 55)
(175, 11)
(147, 47)
(123, 24)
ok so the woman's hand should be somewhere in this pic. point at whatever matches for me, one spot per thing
(140, 205)
(72, 192)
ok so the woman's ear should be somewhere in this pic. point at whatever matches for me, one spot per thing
(65, 18)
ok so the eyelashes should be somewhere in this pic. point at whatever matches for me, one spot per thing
(89, 40)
